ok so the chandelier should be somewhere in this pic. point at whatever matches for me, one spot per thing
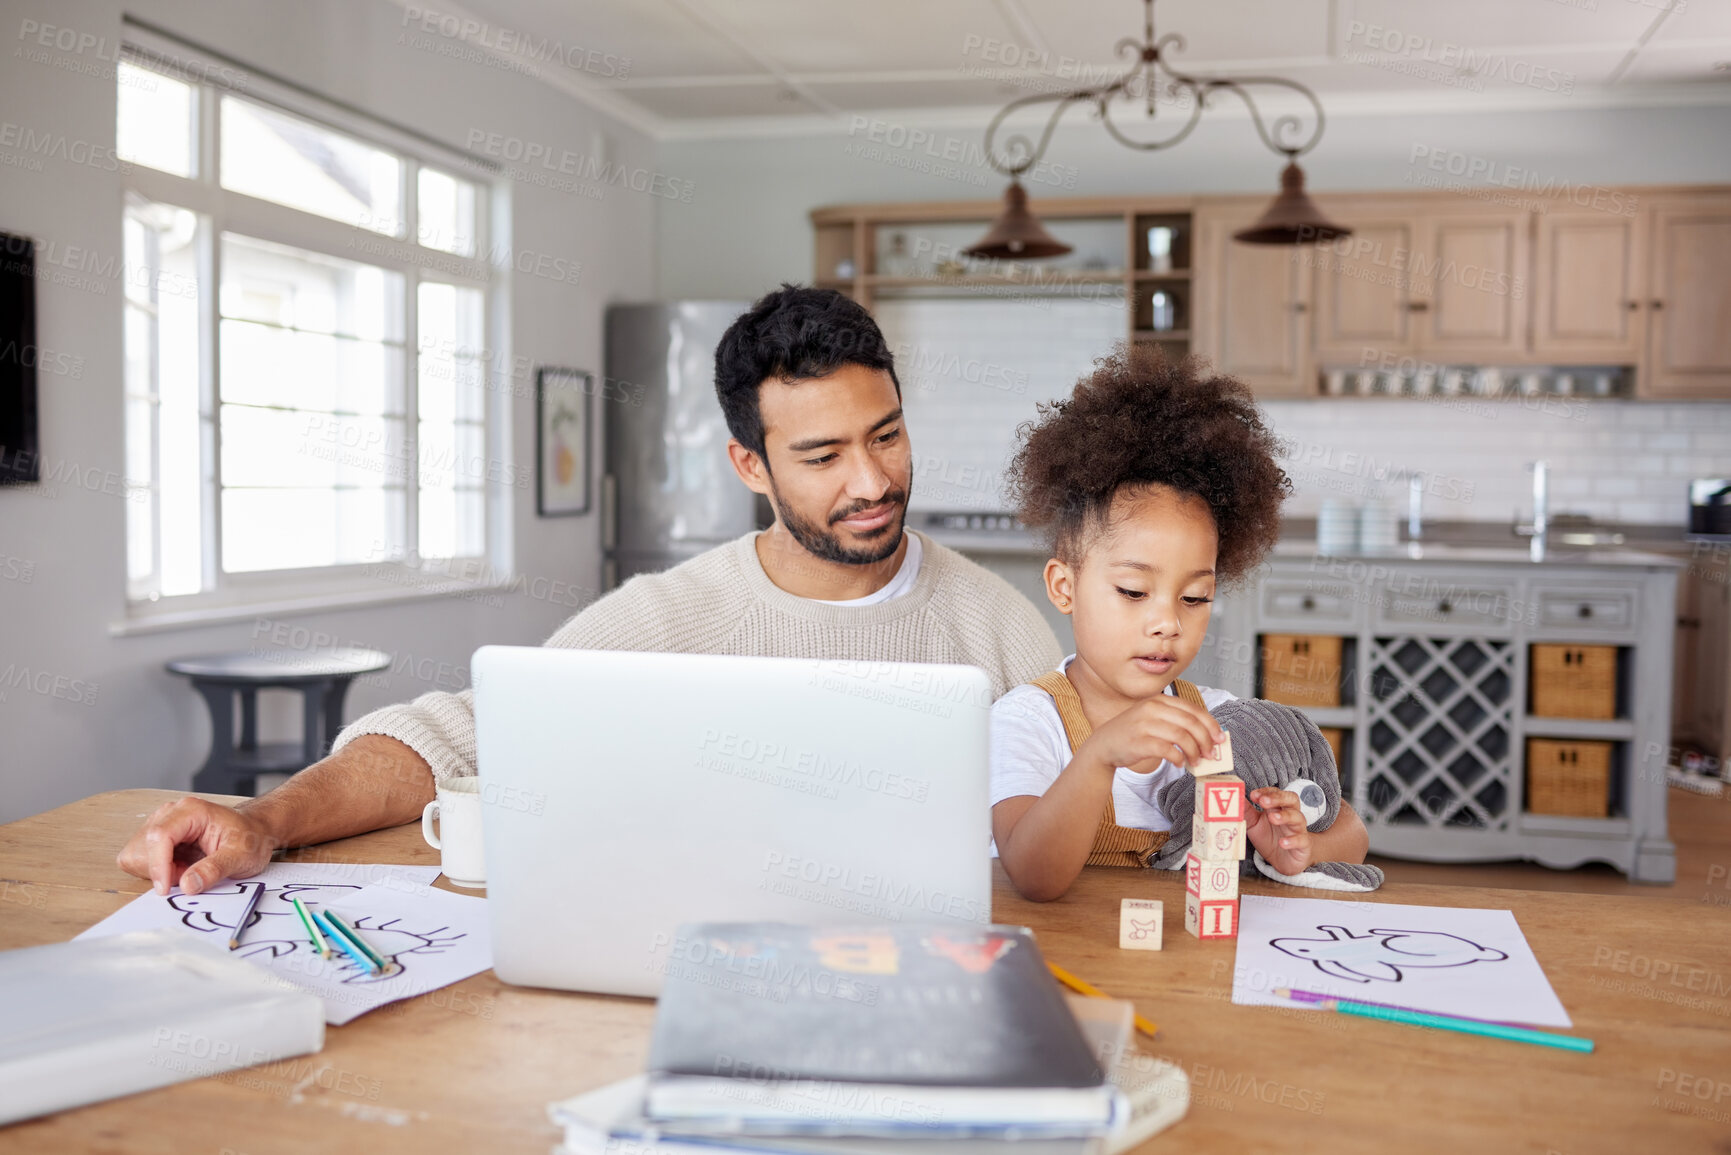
(1292, 219)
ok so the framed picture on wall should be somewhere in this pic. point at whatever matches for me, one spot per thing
(562, 441)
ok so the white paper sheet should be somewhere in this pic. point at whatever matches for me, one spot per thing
(436, 937)
(1447, 960)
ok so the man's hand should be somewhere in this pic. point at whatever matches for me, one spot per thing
(1154, 730)
(1279, 831)
(196, 844)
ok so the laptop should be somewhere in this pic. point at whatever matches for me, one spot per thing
(625, 794)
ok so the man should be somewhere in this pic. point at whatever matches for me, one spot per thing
(811, 398)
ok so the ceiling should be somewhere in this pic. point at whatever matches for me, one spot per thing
(723, 67)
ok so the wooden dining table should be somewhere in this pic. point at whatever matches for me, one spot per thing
(473, 1066)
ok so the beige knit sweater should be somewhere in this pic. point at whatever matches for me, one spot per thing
(722, 602)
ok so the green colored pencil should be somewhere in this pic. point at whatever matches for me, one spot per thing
(349, 932)
(312, 928)
(1443, 1022)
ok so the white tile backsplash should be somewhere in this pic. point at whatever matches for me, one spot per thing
(973, 369)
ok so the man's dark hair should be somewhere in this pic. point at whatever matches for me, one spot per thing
(793, 334)
(1138, 420)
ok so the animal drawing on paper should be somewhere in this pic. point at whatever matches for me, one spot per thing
(275, 929)
(1140, 930)
(1384, 955)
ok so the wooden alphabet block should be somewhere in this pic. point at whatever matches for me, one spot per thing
(1220, 765)
(1210, 878)
(1140, 923)
(1220, 798)
(1220, 841)
(1211, 918)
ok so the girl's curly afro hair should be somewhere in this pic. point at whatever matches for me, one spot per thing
(1140, 419)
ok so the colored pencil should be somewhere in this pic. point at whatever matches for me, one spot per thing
(1441, 1022)
(354, 936)
(1084, 987)
(312, 928)
(246, 915)
(343, 944)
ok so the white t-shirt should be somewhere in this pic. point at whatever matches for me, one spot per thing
(896, 586)
(1029, 750)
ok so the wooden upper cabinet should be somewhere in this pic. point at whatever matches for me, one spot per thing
(1471, 285)
(1363, 290)
(1689, 303)
(1251, 315)
(1589, 287)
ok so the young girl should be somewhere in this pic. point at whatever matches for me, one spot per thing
(1154, 483)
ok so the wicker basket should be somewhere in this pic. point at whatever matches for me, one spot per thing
(1301, 669)
(1574, 681)
(1571, 777)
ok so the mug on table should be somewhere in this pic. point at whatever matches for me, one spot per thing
(458, 812)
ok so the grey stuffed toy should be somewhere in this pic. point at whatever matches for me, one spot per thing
(1272, 745)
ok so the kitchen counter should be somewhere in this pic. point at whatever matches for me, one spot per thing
(1465, 541)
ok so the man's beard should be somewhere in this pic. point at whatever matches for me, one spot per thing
(821, 543)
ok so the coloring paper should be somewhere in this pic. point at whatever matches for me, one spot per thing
(1447, 960)
(436, 937)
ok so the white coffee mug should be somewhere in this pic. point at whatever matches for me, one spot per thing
(458, 809)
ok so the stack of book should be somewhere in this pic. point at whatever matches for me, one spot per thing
(876, 1041)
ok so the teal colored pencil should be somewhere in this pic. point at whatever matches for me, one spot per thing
(345, 945)
(312, 928)
(354, 936)
(1446, 1023)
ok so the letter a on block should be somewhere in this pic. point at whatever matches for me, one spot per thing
(1220, 798)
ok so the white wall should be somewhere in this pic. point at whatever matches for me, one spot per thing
(749, 230)
(145, 727)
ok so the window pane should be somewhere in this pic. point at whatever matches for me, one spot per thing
(155, 123)
(294, 289)
(445, 213)
(296, 528)
(262, 365)
(164, 539)
(277, 157)
(277, 448)
(452, 461)
(451, 523)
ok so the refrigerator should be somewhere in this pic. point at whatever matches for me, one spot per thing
(668, 490)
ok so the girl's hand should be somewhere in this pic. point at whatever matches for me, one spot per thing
(1153, 731)
(1278, 830)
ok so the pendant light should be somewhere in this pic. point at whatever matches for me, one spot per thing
(1292, 219)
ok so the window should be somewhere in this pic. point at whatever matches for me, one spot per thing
(306, 310)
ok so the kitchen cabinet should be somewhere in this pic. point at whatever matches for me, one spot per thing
(1434, 707)
(1689, 302)
(1589, 287)
(1642, 281)
(1472, 285)
(1365, 304)
(1435, 286)
(1251, 315)
(1702, 667)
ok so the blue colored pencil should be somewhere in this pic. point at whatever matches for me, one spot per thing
(345, 945)
(354, 936)
(1440, 1022)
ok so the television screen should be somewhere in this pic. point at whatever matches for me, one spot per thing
(18, 360)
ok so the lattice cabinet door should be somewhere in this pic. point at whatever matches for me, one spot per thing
(1440, 712)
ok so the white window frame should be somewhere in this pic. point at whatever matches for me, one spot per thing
(236, 596)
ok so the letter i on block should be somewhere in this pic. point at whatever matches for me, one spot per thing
(1210, 896)
(1139, 923)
